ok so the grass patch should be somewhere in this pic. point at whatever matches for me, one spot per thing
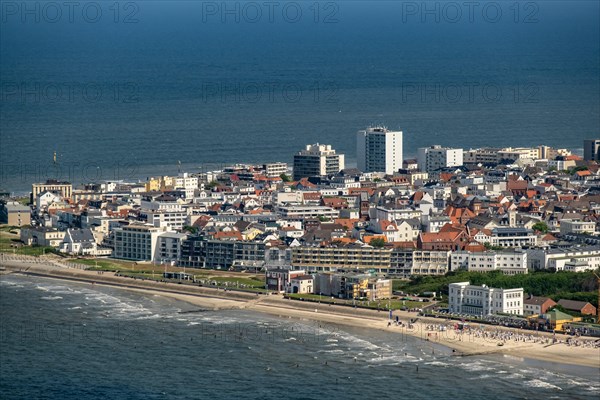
(10, 243)
(393, 304)
(8, 228)
(233, 281)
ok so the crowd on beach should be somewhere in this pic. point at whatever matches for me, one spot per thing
(465, 332)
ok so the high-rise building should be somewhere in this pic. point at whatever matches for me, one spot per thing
(436, 157)
(379, 150)
(317, 160)
(591, 150)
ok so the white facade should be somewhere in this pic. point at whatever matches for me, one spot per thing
(44, 199)
(187, 183)
(435, 157)
(379, 150)
(136, 242)
(158, 205)
(307, 212)
(273, 170)
(433, 224)
(168, 247)
(429, 262)
(396, 214)
(509, 262)
(166, 219)
(513, 237)
(464, 298)
(557, 258)
(571, 226)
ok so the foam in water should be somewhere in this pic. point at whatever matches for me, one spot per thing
(541, 384)
(51, 297)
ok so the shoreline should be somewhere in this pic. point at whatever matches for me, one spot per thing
(515, 342)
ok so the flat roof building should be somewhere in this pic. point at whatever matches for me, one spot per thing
(317, 160)
(379, 150)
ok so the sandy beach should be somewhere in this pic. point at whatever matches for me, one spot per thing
(479, 340)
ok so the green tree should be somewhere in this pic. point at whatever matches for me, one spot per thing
(212, 185)
(190, 229)
(540, 227)
(285, 178)
(377, 242)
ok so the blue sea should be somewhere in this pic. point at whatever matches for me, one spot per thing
(126, 90)
(68, 340)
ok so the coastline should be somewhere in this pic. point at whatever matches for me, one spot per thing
(515, 342)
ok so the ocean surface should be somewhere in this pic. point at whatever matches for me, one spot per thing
(68, 340)
(132, 90)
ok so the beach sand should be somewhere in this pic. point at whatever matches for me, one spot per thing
(514, 342)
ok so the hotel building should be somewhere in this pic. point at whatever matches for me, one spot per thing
(464, 298)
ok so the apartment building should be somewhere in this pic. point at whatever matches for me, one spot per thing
(187, 183)
(591, 150)
(351, 257)
(172, 220)
(437, 157)
(169, 247)
(379, 150)
(557, 258)
(509, 262)
(273, 170)
(15, 214)
(317, 160)
(224, 254)
(307, 211)
(513, 237)
(353, 286)
(576, 226)
(136, 242)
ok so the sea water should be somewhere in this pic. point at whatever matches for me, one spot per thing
(68, 340)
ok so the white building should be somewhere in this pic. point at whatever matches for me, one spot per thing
(44, 199)
(302, 284)
(166, 219)
(429, 262)
(317, 160)
(136, 242)
(41, 236)
(379, 150)
(168, 247)
(81, 242)
(509, 262)
(396, 214)
(464, 298)
(574, 226)
(187, 183)
(436, 157)
(161, 203)
(434, 223)
(273, 170)
(298, 211)
(557, 258)
(513, 237)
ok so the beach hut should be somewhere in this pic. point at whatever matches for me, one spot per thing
(558, 318)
